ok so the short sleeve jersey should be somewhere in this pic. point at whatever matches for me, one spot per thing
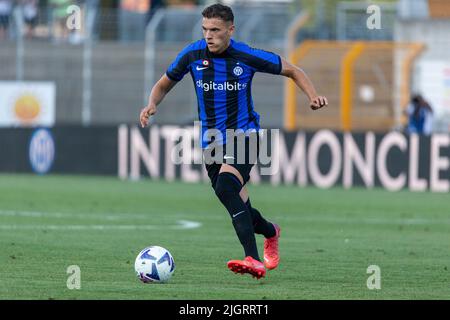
(223, 83)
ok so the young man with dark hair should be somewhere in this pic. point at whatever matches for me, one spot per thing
(222, 70)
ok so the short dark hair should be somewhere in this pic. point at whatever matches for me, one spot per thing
(219, 11)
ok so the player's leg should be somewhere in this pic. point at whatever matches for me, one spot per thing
(228, 187)
(260, 225)
(270, 231)
(248, 265)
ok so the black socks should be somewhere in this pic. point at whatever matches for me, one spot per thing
(227, 190)
(260, 225)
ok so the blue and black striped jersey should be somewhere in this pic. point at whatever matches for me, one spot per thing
(223, 83)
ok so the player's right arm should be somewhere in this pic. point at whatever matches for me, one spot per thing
(175, 72)
(159, 91)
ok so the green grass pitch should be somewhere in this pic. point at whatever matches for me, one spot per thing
(329, 239)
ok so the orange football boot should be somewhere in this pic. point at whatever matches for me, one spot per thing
(248, 265)
(271, 255)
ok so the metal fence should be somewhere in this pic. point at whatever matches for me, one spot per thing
(102, 80)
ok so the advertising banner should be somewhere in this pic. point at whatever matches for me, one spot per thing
(27, 104)
(324, 159)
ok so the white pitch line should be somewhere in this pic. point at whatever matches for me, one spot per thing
(182, 224)
(74, 227)
(60, 215)
(186, 224)
(179, 224)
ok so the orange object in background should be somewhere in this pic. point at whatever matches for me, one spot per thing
(27, 108)
(140, 6)
(439, 8)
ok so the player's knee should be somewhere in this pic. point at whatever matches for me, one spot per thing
(227, 183)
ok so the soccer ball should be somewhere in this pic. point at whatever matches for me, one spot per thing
(154, 264)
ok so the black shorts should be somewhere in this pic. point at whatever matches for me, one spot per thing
(241, 155)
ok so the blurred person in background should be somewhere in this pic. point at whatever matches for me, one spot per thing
(6, 7)
(222, 70)
(133, 19)
(420, 116)
(30, 16)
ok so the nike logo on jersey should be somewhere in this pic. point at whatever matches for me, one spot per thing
(236, 214)
(228, 157)
(201, 68)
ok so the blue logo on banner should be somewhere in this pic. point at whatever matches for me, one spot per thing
(42, 151)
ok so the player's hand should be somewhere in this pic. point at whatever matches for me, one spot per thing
(146, 113)
(318, 102)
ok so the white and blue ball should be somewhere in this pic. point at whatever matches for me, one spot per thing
(154, 264)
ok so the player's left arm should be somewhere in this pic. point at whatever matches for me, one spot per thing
(302, 81)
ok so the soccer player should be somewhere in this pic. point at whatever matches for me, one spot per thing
(222, 70)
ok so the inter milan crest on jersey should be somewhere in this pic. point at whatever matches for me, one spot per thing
(238, 71)
(205, 63)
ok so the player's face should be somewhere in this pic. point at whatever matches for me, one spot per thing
(217, 34)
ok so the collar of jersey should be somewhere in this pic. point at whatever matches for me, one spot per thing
(223, 54)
